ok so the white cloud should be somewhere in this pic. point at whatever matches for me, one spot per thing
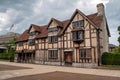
(0, 29)
(99, 1)
(89, 6)
(7, 18)
(38, 6)
(23, 13)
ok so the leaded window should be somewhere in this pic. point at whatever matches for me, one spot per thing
(20, 43)
(52, 54)
(78, 35)
(52, 29)
(53, 39)
(31, 42)
(85, 53)
(79, 23)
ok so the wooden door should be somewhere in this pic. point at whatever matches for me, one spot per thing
(68, 57)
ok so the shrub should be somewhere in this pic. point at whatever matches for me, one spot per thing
(7, 56)
(110, 59)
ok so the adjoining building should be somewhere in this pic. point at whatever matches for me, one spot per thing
(112, 47)
(4, 39)
(78, 41)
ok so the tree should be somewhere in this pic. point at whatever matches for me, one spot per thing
(11, 45)
(119, 35)
(116, 50)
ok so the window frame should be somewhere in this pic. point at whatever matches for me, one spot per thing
(79, 23)
(20, 44)
(83, 53)
(52, 54)
(53, 39)
(53, 29)
(31, 42)
(32, 33)
(76, 36)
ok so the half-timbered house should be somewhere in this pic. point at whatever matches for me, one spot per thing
(78, 41)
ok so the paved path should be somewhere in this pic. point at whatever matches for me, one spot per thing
(38, 69)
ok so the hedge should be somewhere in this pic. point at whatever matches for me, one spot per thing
(7, 56)
(110, 59)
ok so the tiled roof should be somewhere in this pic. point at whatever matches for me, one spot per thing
(36, 27)
(94, 18)
(112, 46)
(59, 22)
(65, 23)
(23, 36)
(43, 30)
(97, 19)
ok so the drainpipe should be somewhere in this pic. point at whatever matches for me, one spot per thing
(98, 47)
(44, 53)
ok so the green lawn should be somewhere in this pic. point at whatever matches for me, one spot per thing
(109, 67)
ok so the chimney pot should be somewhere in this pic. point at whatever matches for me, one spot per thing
(100, 9)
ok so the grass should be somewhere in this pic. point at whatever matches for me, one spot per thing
(109, 67)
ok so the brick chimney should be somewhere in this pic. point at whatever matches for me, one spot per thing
(100, 9)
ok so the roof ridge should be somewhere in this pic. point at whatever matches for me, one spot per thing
(35, 25)
(92, 14)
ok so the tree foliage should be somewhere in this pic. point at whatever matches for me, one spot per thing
(116, 50)
(9, 54)
(119, 29)
(11, 45)
(119, 35)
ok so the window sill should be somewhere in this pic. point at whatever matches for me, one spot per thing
(52, 42)
(85, 58)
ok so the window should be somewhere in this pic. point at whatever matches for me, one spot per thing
(31, 42)
(52, 54)
(79, 23)
(85, 53)
(53, 39)
(20, 43)
(52, 29)
(31, 33)
(78, 35)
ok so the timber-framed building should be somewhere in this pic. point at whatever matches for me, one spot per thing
(78, 41)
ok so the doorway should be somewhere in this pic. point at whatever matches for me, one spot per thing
(68, 58)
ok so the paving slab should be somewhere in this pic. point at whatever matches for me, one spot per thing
(4, 67)
(64, 76)
(40, 69)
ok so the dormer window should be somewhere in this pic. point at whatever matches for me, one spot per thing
(20, 43)
(31, 42)
(31, 33)
(34, 33)
(79, 23)
(52, 29)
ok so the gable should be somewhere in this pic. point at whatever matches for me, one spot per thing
(77, 15)
(52, 24)
(32, 29)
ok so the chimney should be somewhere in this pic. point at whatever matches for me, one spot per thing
(100, 9)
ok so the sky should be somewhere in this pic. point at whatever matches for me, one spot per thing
(22, 13)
